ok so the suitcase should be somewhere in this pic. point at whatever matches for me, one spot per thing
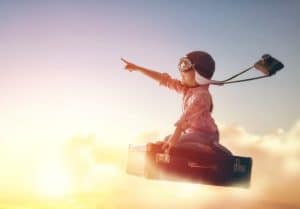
(205, 167)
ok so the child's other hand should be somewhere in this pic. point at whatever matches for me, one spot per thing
(167, 146)
(129, 66)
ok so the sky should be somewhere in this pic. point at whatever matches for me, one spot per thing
(61, 74)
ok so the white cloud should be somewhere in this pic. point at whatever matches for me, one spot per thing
(276, 160)
(275, 175)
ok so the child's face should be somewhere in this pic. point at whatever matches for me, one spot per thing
(188, 78)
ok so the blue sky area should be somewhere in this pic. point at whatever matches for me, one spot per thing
(62, 58)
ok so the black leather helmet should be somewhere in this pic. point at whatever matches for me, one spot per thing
(203, 63)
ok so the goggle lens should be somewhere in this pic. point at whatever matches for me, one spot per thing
(184, 64)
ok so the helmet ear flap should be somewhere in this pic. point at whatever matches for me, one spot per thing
(201, 80)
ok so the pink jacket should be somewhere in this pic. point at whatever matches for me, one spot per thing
(197, 104)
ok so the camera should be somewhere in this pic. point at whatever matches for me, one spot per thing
(268, 65)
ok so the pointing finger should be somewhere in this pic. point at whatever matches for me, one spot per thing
(125, 61)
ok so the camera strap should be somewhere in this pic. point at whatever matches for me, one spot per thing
(229, 80)
(268, 65)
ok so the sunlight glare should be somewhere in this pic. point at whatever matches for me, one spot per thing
(53, 181)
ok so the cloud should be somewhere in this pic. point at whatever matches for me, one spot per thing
(275, 174)
(145, 137)
(276, 160)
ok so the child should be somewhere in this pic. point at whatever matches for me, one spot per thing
(196, 124)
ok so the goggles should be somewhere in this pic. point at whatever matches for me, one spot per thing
(185, 64)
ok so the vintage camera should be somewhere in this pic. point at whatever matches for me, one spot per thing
(268, 65)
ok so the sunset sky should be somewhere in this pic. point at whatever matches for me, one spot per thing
(61, 77)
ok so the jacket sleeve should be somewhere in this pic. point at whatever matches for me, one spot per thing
(174, 84)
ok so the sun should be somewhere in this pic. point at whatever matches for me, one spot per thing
(53, 181)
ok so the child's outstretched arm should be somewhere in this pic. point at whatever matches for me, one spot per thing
(163, 78)
(150, 73)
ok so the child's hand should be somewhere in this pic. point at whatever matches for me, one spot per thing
(129, 66)
(165, 146)
(168, 145)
